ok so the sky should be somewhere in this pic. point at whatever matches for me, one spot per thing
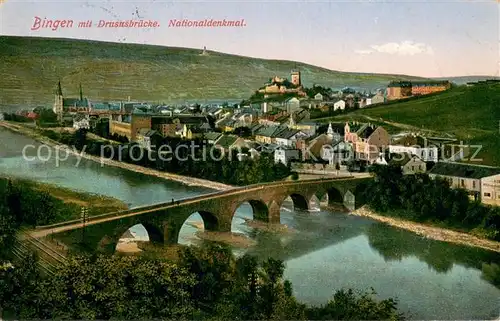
(422, 38)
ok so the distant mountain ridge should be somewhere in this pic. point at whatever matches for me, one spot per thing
(30, 68)
(465, 79)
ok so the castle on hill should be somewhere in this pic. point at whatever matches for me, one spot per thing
(280, 86)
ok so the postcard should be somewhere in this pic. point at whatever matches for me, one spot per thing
(250, 160)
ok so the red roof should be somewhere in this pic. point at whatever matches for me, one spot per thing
(32, 115)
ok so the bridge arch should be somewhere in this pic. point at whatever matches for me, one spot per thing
(108, 243)
(191, 224)
(299, 201)
(335, 197)
(260, 210)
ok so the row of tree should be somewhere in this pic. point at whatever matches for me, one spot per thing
(420, 198)
(200, 162)
(31, 207)
(206, 283)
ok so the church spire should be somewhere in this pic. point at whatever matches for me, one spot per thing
(292, 122)
(81, 92)
(329, 132)
(59, 89)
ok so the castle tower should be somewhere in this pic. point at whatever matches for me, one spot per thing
(295, 75)
(58, 102)
(81, 92)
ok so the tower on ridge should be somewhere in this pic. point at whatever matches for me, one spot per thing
(296, 77)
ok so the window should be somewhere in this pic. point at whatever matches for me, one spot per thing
(487, 195)
(473, 184)
(462, 183)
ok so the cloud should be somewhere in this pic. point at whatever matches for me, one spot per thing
(405, 48)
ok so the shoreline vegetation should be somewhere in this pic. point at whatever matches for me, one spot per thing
(96, 203)
(189, 181)
(429, 231)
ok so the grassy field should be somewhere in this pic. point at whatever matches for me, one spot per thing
(30, 68)
(470, 113)
(74, 200)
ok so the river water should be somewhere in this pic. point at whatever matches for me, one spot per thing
(323, 251)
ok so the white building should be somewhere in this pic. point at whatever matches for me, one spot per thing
(285, 155)
(292, 105)
(81, 122)
(417, 146)
(288, 137)
(482, 182)
(339, 105)
(318, 96)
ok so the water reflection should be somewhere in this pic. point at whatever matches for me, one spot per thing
(396, 244)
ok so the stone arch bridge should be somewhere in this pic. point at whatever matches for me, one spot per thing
(163, 221)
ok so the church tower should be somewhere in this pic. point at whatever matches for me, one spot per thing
(58, 101)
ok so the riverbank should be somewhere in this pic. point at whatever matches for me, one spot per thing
(435, 233)
(95, 203)
(190, 181)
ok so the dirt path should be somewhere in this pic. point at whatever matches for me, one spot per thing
(435, 233)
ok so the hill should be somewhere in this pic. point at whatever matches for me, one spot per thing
(30, 68)
(470, 113)
(465, 79)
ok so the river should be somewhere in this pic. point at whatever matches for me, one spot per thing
(323, 251)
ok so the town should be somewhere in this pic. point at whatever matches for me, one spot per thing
(277, 121)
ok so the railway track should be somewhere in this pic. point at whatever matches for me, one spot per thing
(48, 258)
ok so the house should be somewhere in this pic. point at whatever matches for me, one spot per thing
(264, 135)
(230, 142)
(292, 105)
(191, 131)
(368, 140)
(287, 136)
(149, 139)
(336, 153)
(285, 154)
(81, 121)
(307, 127)
(415, 145)
(378, 98)
(318, 96)
(398, 90)
(170, 126)
(409, 164)
(314, 145)
(32, 115)
(339, 105)
(482, 182)
(212, 137)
